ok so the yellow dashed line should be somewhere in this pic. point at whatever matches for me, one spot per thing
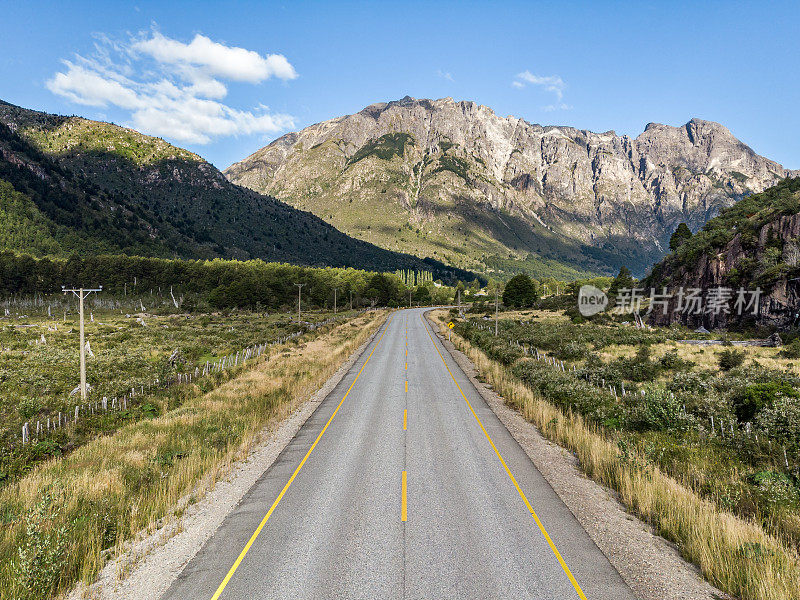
(404, 499)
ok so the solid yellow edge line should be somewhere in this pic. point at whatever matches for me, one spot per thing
(511, 475)
(261, 525)
(404, 499)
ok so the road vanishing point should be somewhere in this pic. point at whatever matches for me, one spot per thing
(402, 484)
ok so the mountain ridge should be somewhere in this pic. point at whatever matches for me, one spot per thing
(591, 201)
(110, 189)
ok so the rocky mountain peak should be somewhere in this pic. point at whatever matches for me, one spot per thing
(437, 166)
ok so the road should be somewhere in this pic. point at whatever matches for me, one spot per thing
(402, 484)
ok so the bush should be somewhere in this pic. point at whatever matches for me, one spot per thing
(782, 422)
(672, 362)
(748, 402)
(656, 410)
(567, 392)
(731, 359)
(791, 350)
(640, 367)
(775, 489)
(571, 351)
(41, 558)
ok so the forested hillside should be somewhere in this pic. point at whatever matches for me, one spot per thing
(70, 184)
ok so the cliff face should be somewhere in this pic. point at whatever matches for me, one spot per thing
(754, 245)
(454, 177)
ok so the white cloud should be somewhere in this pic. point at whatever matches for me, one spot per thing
(550, 83)
(172, 89)
(86, 86)
(558, 106)
(215, 59)
(445, 75)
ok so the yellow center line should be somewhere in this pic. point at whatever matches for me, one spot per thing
(405, 419)
(261, 525)
(510, 474)
(404, 499)
(406, 386)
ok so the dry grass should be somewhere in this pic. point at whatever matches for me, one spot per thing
(115, 486)
(706, 357)
(733, 554)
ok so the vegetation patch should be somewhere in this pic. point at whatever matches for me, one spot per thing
(385, 147)
(453, 164)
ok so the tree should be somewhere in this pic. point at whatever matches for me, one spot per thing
(681, 235)
(520, 292)
(422, 295)
(383, 289)
(624, 280)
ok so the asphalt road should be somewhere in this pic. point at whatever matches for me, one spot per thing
(402, 484)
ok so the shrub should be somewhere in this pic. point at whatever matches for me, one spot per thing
(731, 359)
(640, 367)
(791, 350)
(782, 421)
(752, 399)
(41, 556)
(657, 410)
(672, 362)
(28, 407)
(571, 350)
(564, 390)
(775, 489)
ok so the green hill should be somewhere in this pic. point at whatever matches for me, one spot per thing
(75, 185)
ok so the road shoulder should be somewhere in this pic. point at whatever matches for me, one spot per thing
(651, 566)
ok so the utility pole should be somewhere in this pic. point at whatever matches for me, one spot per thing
(496, 308)
(299, 287)
(334, 299)
(82, 293)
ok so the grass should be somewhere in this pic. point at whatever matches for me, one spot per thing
(63, 520)
(707, 356)
(734, 553)
(36, 376)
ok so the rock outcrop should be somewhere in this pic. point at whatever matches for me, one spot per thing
(752, 246)
(479, 189)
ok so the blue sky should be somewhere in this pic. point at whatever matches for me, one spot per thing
(223, 80)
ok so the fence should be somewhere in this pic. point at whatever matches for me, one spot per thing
(123, 401)
(734, 430)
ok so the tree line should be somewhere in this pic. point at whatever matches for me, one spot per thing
(224, 284)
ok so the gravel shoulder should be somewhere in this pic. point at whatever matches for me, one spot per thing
(155, 558)
(650, 565)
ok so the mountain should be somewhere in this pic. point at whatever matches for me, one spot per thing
(69, 184)
(751, 245)
(477, 190)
